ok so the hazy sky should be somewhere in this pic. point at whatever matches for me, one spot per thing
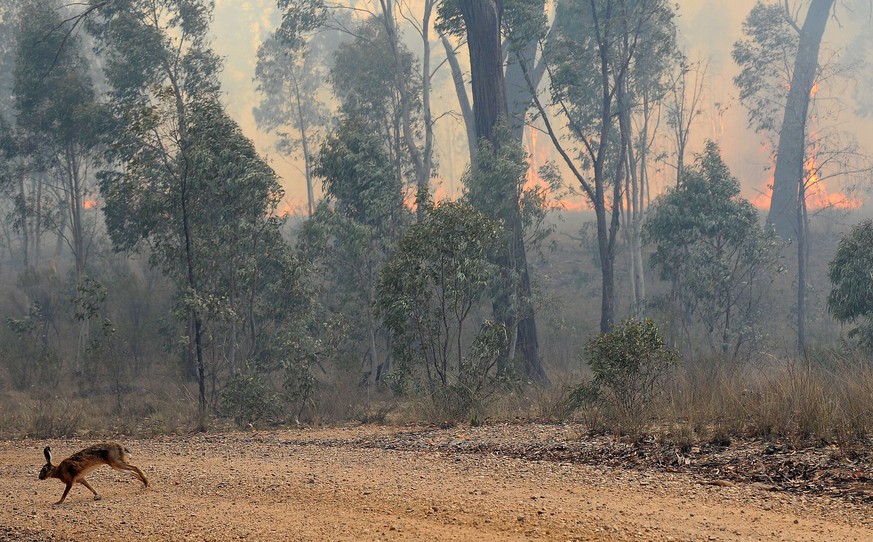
(708, 28)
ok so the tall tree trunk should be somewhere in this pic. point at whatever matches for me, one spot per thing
(483, 22)
(421, 158)
(518, 96)
(307, 156)
(37, 220)
(482, 19)
(606, 237)
(519, 100)
(792, 143)
(423, 188)
(463, 99)
(802, 248)
(25, 226)
(633, 195)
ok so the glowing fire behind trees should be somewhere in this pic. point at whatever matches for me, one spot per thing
(817, 195)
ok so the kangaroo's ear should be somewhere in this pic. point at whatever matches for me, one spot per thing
(48, 454)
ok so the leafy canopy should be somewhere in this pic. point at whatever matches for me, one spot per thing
(851, 298)
(766, 59)
(709, 245)
(429, 290)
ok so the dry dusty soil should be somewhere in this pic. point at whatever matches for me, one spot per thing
(379, 483)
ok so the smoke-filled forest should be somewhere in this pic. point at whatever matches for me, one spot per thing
(437, 211)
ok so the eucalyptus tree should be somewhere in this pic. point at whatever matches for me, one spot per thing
(7, 64)
(7, 42)
(158, 65)
(522, 25)
(429, 294)
(496, 179)
(291, 68)
(781, 74)
(7, 153)
(851, 296)
(364, 81)
(495, 185)
(414, 92)
(684, 92)
(187, 185)
(718, 260)
(779, 45)
(354, 230)
(289, 79)
(640, 101)
(410, 77)
(604, 51)
(57, 111)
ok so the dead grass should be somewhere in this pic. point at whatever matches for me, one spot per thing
(828, 399)
(825, 399)
(72, 414)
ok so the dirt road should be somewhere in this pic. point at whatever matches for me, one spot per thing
(323, 485)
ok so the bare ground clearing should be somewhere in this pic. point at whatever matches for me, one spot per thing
(504, 482)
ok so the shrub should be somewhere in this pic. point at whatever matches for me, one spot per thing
(429, 293)
(851, 299)
(627, 364)
(248, 399)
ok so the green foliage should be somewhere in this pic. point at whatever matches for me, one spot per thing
(58, 124)
(90, 296)
(495, 184)
(303, 344)
(634, 43)
(627, 364)
(7, 43)
(352, 233)
(364, 78)
(766, 59)
(300, 18)
(7, 152)
(289, 78)
(710, 247)
(523, 20)
(145, 44)
(54, 95)
(249, 399)
(359, 176)
(33, 362)
(89, 306)
(429, 292)
(191, 188)
(851, 297)
(224, 204)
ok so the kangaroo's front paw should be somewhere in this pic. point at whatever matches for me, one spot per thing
(97, 497)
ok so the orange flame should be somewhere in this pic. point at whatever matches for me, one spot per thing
(817, 195)
(538, 156)
(290, 207)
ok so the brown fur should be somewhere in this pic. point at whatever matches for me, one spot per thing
(74, 468)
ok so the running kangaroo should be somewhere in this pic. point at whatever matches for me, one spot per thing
(74, 468)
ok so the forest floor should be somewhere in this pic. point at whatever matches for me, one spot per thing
(492, 483)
